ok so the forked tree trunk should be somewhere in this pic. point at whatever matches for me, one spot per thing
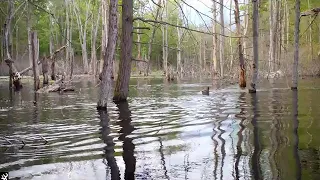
(242, 80)
(255, 27)
(35, 59)
(221, 40)
(296, 46)
(122, 85)
(106, 75)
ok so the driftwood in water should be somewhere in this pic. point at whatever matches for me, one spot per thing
(58, 86)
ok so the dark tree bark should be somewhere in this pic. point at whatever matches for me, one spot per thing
(106, 75)
(255, 27)
(35, 58)
(242, 80)
(45, 70)
(122, 85)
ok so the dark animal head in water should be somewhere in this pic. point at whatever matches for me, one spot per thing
(206, 91)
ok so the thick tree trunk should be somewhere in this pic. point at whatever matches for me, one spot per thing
(221, 39)
(152, 38)
(242, 80)
(106, 75)
(214, 40)
(122, 85)
(296, 46)
(255, 27)
(35, 59)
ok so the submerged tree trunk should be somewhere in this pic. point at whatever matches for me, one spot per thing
(255, 27)
(53, 65)
(106, 75)
(45, 70)
(35, 59)
(122, 84)
(242, 80)
(296, 46)
(221, 40)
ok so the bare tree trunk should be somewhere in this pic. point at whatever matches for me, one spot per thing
(106, 75)
(310, 33)
(29, 24)
(200, 55)
(275, 34)
(53, 63)
(94, 33)
(122, 85)
(67, 59)
(152, 38)
(45, 70)
(221, 39)
(35, 58)
(179, 66)
(83, 33)
(242, 80)
(271, 58)
(166, 41)
(287, 24)
(17, 43)
(215, 40)
(296, 46)
(245, 29)
(255, 27)
(104, 32)
(230, 39)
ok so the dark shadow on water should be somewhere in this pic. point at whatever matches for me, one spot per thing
(255, 163)
(128, 146)
(109, 149)
(295, 133)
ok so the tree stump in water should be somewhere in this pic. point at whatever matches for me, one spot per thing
(15, 78)
(45, 70)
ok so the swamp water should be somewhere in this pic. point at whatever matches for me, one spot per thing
(165, 131)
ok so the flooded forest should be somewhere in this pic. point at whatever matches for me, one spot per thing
(159, 89)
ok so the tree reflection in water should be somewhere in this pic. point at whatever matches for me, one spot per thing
(128, 146)
(109, 149)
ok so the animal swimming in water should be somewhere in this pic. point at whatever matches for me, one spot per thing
(205, 91)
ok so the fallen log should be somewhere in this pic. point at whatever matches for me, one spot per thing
(58, 86)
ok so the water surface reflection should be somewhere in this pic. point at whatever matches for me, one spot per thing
(165, 131)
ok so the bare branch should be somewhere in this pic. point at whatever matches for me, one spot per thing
(146, 28)
(313, 11)
(183, 27)
(156, 3)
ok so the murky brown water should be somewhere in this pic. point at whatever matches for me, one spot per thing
(165, 131)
